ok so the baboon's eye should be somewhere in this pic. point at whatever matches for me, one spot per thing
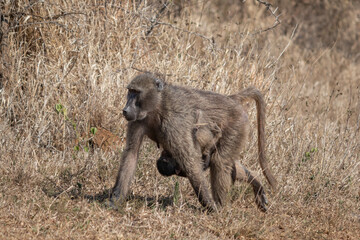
(133, 93)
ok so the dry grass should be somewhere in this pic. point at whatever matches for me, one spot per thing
(81, 54)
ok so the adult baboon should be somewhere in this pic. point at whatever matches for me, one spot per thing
(164, 113)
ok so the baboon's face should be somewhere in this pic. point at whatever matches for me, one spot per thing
(132, 108)
(143, 97)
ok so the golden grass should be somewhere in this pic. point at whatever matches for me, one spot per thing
(81, 54)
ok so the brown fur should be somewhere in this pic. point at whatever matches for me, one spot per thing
(207, 135)
(164, 113)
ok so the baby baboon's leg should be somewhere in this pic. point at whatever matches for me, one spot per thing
(240, 173)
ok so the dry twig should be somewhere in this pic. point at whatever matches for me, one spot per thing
(273, 13)
(154, 21)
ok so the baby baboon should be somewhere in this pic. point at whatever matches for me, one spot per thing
(207, 135)
(164, 113)
(167, 165)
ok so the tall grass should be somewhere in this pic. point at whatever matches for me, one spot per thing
(54, 174)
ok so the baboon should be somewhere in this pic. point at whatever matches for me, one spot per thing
(164, 113)
(167, 165)
(207, 135)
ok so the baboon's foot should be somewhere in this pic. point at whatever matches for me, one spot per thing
(261, 200)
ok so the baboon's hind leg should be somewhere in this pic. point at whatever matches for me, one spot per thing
(220, 176)
(240, 173)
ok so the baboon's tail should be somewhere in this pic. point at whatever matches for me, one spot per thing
(255, 94)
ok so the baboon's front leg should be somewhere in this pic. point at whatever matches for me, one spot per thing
(129, 158)
(240, 173)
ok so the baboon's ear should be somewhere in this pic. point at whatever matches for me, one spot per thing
(159, 84)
